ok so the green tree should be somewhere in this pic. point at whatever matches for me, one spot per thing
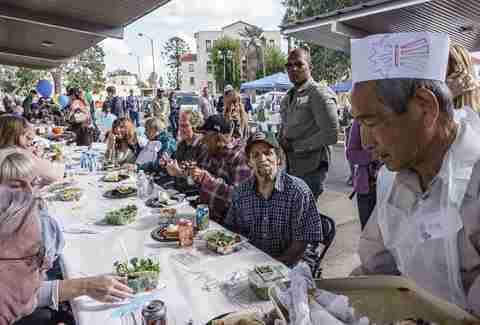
(27, 79)
(226, 62)
(85, 71)
(275, 61)
(173, 50)
(329, 65)
(120, 72)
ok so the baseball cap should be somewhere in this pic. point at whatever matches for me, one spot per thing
(217, 123)
(227, 89)
(265, 137)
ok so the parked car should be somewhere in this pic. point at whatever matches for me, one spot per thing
(188, 100)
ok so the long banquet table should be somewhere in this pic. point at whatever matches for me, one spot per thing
(190, 290)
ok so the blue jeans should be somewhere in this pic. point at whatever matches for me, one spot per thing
(316, 179)
(134, 116)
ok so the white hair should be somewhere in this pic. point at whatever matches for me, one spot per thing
(15, 165)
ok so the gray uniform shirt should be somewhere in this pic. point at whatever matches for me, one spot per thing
(310, 123)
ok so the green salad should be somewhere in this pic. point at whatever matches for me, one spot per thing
(142, 273)
(122, 216)
(222, 238)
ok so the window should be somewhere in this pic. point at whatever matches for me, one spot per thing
(191, 68)
(272, 43)
(192, 81)
(210, 86)
(208, 44)
(214, 43)
(209, 67)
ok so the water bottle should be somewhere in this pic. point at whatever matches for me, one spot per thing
(141, 185)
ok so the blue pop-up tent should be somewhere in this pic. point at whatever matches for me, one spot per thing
(277, 81)
(342, 86)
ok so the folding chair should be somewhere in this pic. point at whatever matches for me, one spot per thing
(313, 255)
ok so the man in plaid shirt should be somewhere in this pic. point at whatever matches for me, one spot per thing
(275, 211)
(224, 168)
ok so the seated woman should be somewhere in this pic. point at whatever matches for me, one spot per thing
(235, 112)
(161, 143)
(122, 142)
(22, 259)
(17, 132)
(16, 173)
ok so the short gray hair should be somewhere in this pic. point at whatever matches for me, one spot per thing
(396, 93)
(16, 165)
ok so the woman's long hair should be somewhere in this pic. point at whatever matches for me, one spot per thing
(242, 116)
(11, 128)
(131, 139)
(461, 79)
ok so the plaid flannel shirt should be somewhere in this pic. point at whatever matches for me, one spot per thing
(273, 225)
(224, 173)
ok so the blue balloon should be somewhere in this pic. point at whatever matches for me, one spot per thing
(63, 100)
(45, 88)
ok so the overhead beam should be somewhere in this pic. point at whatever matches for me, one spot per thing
(348, 31)
(48, 59)
(63, 23)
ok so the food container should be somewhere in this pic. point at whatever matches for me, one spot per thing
(260, 282)
(218, 246)
(167, 215)
(185, 232)
(387, 299)
(143, 281)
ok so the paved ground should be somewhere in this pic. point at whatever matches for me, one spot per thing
(341, 258)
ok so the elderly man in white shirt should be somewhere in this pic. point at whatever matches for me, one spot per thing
(426, 224)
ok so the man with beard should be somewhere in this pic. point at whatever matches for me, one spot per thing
(224, 168)
(275, 211)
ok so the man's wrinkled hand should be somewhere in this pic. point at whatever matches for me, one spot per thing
(108, 289)
(197, 174)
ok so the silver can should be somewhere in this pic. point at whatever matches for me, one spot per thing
(155, 313)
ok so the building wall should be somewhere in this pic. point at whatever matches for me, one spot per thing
(123, 84)
(201, 76)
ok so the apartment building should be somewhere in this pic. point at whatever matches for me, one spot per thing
(197, 69)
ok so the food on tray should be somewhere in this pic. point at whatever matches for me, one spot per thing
(114, 177)
(241, 318)
(141, 273)
(58, 186)
(170, 232)
(163, 197)
(122, 216)
(222, 242)
(263, 277)
(69, 194)
(123, 190)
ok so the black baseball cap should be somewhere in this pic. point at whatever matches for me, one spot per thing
(265, 137)
(217, 123)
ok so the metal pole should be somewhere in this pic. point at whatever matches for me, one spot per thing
(139, 69)
(154, 72)
(224, 69)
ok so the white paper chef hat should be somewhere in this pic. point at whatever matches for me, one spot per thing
(400, 55)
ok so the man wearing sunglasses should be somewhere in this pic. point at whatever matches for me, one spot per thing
(309, 123)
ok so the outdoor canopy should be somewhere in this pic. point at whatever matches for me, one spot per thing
(278, 81)
(342, 86)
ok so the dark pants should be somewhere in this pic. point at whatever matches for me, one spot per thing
(366, 204)
(134, 116)
(47, 316)
(316, 179)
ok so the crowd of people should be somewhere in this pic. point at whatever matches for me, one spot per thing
(411, 146)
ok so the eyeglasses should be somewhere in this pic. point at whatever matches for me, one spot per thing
(37, 260)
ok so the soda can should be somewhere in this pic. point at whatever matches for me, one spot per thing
(202, 217)
(155, 313)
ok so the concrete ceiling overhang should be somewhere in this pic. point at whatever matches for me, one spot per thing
(44, 33)
(458, 18)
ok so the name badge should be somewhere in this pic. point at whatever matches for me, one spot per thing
(302, 100)
(430, 227)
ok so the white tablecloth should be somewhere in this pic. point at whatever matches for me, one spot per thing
(185, 291)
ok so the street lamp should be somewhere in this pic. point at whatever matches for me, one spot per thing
(153, 60)
(138, 65)
(225, 53)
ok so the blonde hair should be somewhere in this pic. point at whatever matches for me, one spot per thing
(11, 128)
(15, 165)
(461, 78)
(155, 123)
(228, 113)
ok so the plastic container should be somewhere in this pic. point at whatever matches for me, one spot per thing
(260, 284)
(143, 281)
